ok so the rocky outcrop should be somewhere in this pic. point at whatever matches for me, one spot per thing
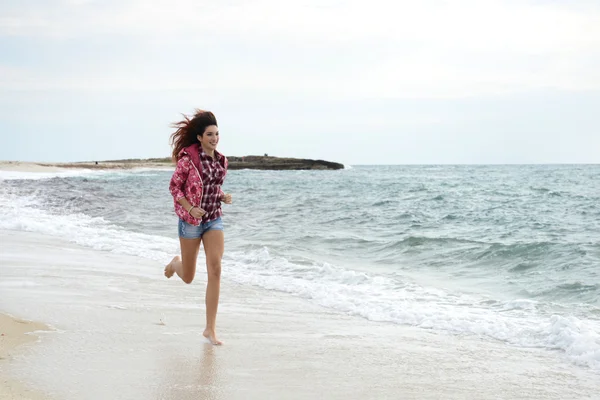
(246, 162)
(277, 163)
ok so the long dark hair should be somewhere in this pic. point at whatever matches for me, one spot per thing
(188, 130)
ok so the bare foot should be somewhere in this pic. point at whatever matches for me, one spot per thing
(169, 271)
(210, 335)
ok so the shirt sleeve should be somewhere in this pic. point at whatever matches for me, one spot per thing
(225, 166)
(182, 170)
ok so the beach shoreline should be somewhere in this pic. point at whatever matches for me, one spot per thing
(15, 336)
(41, 167)
(24, 166)
(129, 331)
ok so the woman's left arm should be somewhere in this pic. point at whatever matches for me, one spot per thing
(225, 197)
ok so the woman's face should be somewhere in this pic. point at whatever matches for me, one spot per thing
(210, 139)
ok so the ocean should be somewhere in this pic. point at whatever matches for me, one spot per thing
(504, 253)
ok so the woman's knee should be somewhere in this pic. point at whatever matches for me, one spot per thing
(187, 278)
(189, 270)
(214, 269)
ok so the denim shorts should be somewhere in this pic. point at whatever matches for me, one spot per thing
(189, 231)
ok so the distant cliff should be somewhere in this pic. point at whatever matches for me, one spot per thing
(246, 162)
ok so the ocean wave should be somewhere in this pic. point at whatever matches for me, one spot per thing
(450, 217)
(383, 203)
(73, 173)
(371, 296)
(549, 192)
(578, 287)
(423, 241)
(19, 175)
(568, 290)
(382, 298)
(508, 251)
(27, 214)
(382, 293)
(524, 266)
(540, 189)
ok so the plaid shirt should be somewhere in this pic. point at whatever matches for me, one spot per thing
(213, 175)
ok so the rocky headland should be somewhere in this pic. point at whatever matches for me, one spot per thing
(246, 162)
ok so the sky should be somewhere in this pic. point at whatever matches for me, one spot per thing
(376, 82)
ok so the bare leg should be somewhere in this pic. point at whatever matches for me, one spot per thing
(185, 267)
(214, 245)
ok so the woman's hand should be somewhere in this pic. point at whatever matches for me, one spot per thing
(197, 212)
(226, 198)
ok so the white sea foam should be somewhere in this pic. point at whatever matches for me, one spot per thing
(23, 175)
(25, 214)
(519, 322)
(381, 298)
(12, 175)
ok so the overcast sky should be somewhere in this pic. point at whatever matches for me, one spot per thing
(359, 82)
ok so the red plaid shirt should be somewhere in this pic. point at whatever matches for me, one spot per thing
(213, 175)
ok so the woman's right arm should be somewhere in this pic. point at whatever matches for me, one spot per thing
(178, 183)
(185, 204)
(182, 170)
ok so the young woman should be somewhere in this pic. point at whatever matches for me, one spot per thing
(196, 189)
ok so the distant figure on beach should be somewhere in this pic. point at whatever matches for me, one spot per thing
(196, 189)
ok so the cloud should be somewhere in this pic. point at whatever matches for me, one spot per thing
(383, 49)
(479, 25)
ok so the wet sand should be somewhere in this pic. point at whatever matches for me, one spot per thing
(125, 331)
(15, 337)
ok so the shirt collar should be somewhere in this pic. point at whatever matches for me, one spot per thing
(203, 154)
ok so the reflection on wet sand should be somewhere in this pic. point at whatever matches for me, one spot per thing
(195, 375)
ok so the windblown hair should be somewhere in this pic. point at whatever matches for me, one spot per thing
(188, 130)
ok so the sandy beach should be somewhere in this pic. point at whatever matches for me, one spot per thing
(37, 167)
(121, 330)
(22, 166)
(33, 170)
(15, 336)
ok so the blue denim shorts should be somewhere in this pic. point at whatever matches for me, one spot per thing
(189, 231)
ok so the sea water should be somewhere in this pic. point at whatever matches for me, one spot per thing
(509, 253)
